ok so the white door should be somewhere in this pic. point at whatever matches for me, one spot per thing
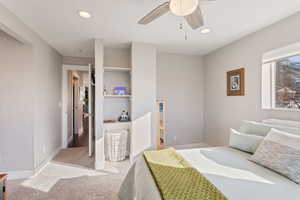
(91, 111)
(75, 107)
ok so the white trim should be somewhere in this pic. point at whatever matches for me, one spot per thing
(13, 175)
(44, 163)
(287, 51)
(281, 109)
(64, 90)
(99, 165)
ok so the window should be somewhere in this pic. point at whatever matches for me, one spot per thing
(281, 83)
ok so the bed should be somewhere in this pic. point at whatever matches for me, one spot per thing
(226, 168)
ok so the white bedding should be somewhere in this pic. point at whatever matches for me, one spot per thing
(228, 169)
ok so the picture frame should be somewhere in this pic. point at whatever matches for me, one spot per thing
(236, 82)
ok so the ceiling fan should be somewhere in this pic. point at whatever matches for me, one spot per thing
(189, 9)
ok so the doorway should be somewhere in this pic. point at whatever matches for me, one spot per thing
(79, 134)
(78, 109)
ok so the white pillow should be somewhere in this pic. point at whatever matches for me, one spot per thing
(262, 129)
(280, 152)
(254, 128)
(281, 122)
(244, 142)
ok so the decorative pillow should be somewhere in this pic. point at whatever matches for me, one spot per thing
(280, 152)
(262, 129)
(244, 142)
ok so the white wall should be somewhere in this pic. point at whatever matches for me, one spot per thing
(180, 82)
(143, 108)
(99, 137)
(45, 94)
(222, 112)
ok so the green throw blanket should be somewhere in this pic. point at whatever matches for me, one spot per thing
(176, 179)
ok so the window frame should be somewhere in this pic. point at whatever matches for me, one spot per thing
(268, 89)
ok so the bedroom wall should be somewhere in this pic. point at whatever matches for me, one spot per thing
(222, 112)
(44, 81)
(16, 108)
(180, 82)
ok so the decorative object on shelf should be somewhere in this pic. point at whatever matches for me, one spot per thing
(120, 90)
(124, 117)
(161, 140)
(236, 82)
(110, 121)
(104, 91)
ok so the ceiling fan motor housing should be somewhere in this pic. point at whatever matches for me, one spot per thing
(183, 7)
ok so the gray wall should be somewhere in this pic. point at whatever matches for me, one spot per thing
(69, 60)
(117, 57)
(16, 108)
(47, 118)
(222, 112)
(32, 117)
(180, 83)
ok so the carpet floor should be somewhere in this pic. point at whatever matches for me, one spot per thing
(69, 176)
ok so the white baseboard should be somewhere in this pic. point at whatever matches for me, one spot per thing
(99, 165)
(13, 175)
(45, 162)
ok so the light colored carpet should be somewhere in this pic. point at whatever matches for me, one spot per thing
(70, 177)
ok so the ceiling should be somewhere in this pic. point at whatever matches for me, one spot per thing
(115, 21)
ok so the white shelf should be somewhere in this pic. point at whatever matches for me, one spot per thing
(120, 69)
(117, 96)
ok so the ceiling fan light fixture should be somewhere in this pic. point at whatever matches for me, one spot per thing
(206, 30)
(84, 14)
(183, 7)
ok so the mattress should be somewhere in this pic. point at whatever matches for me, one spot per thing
(228, 169)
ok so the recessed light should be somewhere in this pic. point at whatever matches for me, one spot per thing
(205, 30)
(84, 14)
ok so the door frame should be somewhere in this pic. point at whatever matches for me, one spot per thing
(64, 95)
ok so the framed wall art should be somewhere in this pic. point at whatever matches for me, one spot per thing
(236, 82)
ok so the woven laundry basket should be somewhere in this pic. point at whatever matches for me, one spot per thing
(116, 145)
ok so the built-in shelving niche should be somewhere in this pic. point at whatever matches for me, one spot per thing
(114, 104)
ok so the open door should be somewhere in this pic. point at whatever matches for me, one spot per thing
(91, 111)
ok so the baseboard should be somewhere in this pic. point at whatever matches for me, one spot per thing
(45, 162)
(99, 165)
(70, 139)
(22, 174)
(13, 175)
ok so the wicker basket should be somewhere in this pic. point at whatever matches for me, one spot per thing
(116, 145)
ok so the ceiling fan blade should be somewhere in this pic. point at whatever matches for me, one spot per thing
(195, 20)
(156, 13)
